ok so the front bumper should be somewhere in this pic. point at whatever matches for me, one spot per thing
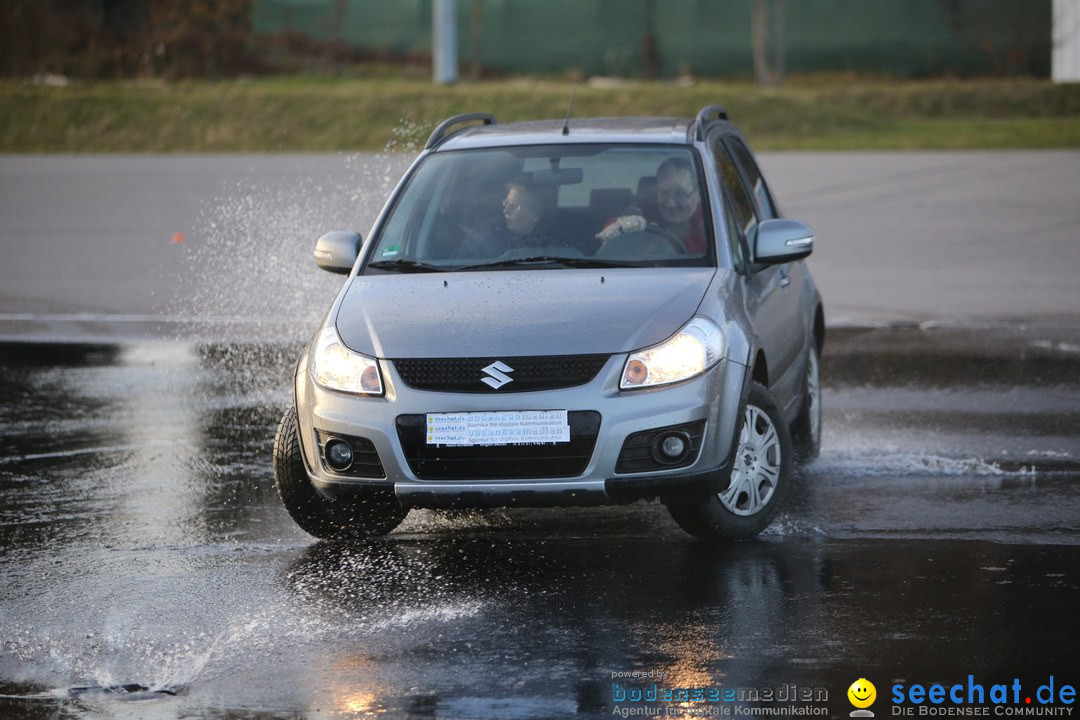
(712, 401)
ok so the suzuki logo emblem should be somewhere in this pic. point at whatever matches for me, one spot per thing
(498, 377)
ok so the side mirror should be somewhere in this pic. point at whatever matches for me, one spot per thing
(336, 251)
(780, 241)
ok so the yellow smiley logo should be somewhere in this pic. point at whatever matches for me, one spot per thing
(862, 693)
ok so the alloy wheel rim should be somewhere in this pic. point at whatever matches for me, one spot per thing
(757, 465)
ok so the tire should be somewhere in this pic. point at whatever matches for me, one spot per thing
(760, 474)
(806, 430)
(365, 513)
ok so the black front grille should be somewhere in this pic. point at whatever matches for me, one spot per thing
(489, 462)
(466, 375)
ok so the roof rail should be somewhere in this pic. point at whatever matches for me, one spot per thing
(442, 130)
(708, 114)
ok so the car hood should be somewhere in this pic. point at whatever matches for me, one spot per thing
(518, 313)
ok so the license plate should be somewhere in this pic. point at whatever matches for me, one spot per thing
(524, 427)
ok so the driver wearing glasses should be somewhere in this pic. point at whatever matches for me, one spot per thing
(678, 208)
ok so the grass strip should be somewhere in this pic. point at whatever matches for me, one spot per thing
(305, 114)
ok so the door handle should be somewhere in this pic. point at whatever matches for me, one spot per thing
(784, 279)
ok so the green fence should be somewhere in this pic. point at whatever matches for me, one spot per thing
(706, 37)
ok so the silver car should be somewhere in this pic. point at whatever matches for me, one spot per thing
(588, 312)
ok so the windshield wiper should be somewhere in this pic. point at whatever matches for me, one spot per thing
(406, 266)
(550, 261)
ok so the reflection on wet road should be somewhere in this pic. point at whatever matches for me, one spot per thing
(147, 569)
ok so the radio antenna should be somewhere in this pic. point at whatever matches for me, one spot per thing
(566, 123)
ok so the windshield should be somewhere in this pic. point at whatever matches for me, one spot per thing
(548, 206)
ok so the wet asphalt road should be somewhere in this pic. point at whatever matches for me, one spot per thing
(148, 571)
(902, 237)
(142, 545)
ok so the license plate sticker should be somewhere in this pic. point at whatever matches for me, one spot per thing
(524, 427)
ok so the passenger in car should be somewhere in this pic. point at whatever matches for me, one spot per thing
(528, 211)
(677, 208)
(524, 220)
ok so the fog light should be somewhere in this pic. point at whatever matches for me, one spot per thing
(671, 448)
(339, 455)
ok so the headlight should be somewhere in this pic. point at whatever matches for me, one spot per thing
(336, 367)
(692, 351)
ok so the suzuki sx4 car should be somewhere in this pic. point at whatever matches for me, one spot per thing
(590, 312)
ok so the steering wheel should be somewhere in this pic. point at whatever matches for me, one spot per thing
(668, 235)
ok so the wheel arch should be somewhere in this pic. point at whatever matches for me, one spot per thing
(819, 327)
(760, 371)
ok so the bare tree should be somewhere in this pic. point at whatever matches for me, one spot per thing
(195, 37)
(650, 55)
(767, 36)
(476, 63)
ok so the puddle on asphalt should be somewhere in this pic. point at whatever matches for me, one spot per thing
(176, 436)
(143, 550)
(510, 626)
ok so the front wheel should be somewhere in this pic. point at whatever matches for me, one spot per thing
(364, 513)
(760, 474)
